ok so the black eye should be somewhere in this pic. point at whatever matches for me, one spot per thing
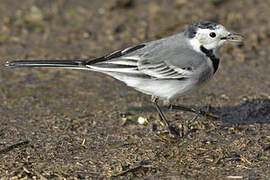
(212, 34)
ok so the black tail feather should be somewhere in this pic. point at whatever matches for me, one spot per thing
(46, 63)
(72, 63)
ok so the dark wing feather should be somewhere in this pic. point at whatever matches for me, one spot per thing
(114, 55)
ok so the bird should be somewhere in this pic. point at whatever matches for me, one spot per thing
(164, 69)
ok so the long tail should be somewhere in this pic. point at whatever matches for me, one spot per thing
(90, 64)
(72, 64)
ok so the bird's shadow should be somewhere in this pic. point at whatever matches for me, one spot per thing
(250, 112)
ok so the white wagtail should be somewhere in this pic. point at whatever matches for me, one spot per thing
(164, 69)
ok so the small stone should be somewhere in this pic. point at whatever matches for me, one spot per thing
(142, 120)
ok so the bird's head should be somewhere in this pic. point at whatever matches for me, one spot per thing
(210, 35)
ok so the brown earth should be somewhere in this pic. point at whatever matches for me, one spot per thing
(70, 124)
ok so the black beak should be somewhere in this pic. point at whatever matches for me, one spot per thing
(233, 38)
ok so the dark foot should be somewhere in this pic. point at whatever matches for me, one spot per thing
(196, 111)
(192, 120)
(171, 131)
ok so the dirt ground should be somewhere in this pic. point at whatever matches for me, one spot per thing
(83, 125)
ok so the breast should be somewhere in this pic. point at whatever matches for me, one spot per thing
(205, 72)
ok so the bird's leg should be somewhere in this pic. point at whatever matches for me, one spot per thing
(172, 132)
(198, 112)
(192, 120)
(170, 107)
(193, 110)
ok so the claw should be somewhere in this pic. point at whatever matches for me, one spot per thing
(193, 120)
(170, 131)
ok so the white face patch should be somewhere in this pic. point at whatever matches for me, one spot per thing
(203, 37)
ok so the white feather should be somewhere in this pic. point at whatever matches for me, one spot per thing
(119, 70)
(122, 62)
(132, 57)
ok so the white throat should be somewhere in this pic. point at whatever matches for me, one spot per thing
(195, 44)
